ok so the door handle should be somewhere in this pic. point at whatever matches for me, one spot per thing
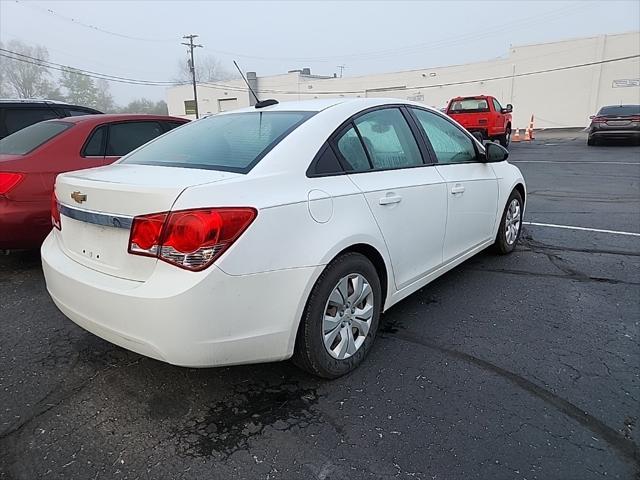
(390, 199)
(457, 189)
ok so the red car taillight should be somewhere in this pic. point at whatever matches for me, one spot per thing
(8, 181)
(190, 239)
(598, 120)
(55, 212)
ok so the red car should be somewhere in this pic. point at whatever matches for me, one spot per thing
(31, 158)
(483, 116)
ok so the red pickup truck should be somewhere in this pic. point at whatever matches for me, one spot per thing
(483, 116)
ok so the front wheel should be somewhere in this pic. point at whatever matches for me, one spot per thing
(510, 224)
(339, 323)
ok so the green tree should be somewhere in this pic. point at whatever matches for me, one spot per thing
(104, 99)
(79, 88)
(24, 77)
(144, 105)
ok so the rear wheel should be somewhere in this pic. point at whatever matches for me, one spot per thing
(510, 224)
(339, 323)
(506, 138)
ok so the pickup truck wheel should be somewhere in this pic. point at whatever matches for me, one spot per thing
(505, 139)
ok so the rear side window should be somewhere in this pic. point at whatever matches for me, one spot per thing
(232, 142)
(125, 137)
(96, 143)
(16, 119)
(32, 137)
(326, 163)
(351, 149)
(388, 139)
(78, 113)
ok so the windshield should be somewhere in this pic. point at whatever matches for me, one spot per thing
(233, 142)
(467, 105)
(29, 138)
(620, 110)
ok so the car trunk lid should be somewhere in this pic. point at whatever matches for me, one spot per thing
(98, 205)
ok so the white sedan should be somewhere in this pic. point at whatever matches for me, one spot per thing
(266, 233)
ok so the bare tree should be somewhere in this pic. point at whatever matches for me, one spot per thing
(208, 69)
(25, 78)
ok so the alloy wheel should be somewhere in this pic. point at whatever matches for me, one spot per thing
(347, 316)
(512, 222)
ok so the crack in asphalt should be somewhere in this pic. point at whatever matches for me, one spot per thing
(575, 277)
(623, 446)
(537, 246)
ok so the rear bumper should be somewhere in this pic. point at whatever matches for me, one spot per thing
(612, 133)
(23, 225)
(194, 319)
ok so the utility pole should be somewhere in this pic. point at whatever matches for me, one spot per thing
(192, 67)
(341, 67)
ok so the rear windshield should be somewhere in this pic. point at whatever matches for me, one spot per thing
(620, 110)
(233, 142)
(469, 105)
(31, 137)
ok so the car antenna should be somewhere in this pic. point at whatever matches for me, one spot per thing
(259, 103)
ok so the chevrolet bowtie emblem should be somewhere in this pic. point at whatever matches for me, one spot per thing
(79, 197)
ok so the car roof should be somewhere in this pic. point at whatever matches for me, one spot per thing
(22, 102)
(116, 117)
(318, 105)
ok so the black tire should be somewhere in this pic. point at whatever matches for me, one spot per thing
(502, 244)
(591, 141)
(505, 139)
(310, 352)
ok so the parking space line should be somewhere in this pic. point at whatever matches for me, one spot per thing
(574, 161)
(571, 227)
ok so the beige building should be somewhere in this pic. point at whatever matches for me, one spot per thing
(561, 83)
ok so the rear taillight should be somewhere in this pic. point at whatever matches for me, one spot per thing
(635, 118)
(190, 239)
(598, 120)
(55, 211)
(8, 181)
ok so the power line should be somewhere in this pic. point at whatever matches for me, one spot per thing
(90, 26)
(447, 84)
(57, 66)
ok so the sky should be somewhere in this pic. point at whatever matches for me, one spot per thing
(142, 39)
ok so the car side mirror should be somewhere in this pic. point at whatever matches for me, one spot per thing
(494, 152)
(591, 117)
(508, 108)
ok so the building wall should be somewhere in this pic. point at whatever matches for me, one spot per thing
(563, 98)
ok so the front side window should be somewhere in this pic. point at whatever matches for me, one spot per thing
(388, 139)
(233, 142)
(449, 143)
(125, 137)
(497, 106)
(29, 138)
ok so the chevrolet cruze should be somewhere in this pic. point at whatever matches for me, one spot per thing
(283, 231)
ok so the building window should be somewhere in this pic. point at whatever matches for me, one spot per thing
(189, 107)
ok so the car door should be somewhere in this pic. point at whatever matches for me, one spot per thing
(403, 189)
(472, 186)
(124, 137)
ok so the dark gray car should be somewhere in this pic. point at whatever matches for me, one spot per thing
(18, 114)
(615, 122)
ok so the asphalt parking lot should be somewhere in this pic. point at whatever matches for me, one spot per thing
(518, 367)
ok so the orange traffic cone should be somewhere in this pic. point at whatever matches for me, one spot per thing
(527, 135)
(531, 128)
(516, 137)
